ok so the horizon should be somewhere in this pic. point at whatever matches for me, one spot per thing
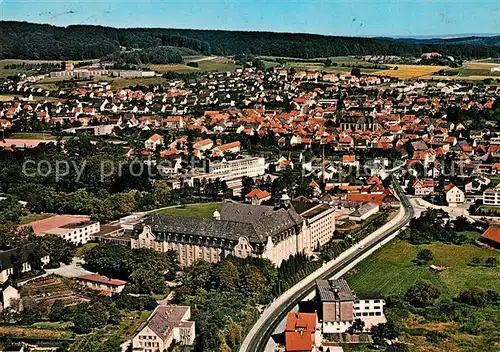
(436, 19)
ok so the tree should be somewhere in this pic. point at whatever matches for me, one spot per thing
(60, 250)
(58, 312)
(82, 323)
(422, 294)
(383, 332)
(357, 326)
(99, 314)
(356, 71)
(491, 261)
(227, 276)
(474, 296)
(423, 257)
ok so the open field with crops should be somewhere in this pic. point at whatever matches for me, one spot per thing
(410, 71)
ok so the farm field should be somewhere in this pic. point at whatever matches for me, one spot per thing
(391, 271)
(410, 71)
(33, 332)
(205, 63)
(204, 210)
(33, 135)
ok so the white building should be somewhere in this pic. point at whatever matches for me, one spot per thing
(491, 197)
(227, 170)
(364, 212)
(454, 195)
(165, 325)
(76, 233)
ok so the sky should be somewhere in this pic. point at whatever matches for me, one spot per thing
(333, 17)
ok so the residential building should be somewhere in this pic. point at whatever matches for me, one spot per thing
(423, 187)
(237, 168)
(364, 212)
(165, 325)
(102, 283)
(8, 294)
(491, 237)
(338, 307)
(491, 197)
(257, 196)
(20, 260)
(454, 195)
(76, 233)
(229, 148)
(300, 332)
(153, 142)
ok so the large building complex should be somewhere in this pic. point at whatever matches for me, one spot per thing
(241, 230)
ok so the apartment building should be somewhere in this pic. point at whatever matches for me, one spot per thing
(338, 307)
(491, 197)
(231, 169)
(319, 223)
(165, 325)
(76, 233)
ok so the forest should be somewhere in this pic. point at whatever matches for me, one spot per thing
(23, 40)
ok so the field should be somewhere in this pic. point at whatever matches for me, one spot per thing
(204, 210)
(391, 271)
(33, 217)
(410, 71)
(32, 135)
(205, 63)
(33, 332)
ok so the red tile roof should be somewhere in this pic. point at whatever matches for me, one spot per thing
(40, 226)
(492, 234)
(102, 280)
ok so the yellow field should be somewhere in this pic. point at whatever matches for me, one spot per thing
(173, 68)
(410, 71)
(477, 65)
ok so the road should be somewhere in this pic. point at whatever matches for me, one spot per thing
(259, 335)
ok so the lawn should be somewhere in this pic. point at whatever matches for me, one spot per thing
(33, 135)
(410, 71)
(391, 271)
(81, 251)
(204, 210)
(33, 217)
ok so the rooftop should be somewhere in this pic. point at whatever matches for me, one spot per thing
(334, 290)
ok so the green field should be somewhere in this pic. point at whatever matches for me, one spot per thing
(391, 271)
(205, 210)
(33, 217)
(33, 135)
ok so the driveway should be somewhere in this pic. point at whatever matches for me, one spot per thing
(72, 270)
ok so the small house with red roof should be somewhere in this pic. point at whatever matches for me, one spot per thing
(102, 283)
(491, 236)
(299, 332)
(257, 196)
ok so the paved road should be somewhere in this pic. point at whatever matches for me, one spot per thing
(259, 335)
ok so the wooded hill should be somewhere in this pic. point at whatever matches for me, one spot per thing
(23, 40)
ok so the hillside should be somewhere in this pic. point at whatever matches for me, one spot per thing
(22, 40)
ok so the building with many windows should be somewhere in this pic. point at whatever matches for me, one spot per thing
(338, 307)
(76, 233)
(167, 324)
(241, 230)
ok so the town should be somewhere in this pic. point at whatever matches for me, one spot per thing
(261, 206)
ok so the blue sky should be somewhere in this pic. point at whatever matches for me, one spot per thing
(352, 18)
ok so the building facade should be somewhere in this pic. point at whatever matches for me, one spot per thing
(491, 197)
(165, 325)
(76, 233)
(338, 307)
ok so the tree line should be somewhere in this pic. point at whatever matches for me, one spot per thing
(24, 40)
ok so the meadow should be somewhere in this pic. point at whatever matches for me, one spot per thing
(204, 210)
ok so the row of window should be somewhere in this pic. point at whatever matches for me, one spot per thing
(369, 314)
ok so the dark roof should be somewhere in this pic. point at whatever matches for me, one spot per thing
(253, 221)
(369, 295)
(21, 254)
(334, 290)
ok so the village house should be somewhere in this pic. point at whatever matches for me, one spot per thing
(300, 332)
(454, 195)
(154, 142)
(101, 283)
(423, 187)
(166, 325)
(20, 260)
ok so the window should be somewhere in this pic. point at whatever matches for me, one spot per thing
(376, 301)
(378, 313)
